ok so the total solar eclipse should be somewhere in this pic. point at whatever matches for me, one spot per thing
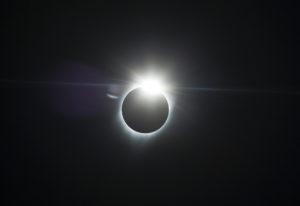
(145, 110)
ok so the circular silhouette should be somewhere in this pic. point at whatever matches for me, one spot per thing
(145, 111)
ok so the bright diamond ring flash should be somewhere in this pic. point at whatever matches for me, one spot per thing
(151, 85)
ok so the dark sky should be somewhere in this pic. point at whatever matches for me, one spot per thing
(63, 144)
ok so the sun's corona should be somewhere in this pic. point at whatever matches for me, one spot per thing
(145, 108)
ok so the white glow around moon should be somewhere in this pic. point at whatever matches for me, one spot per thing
(150, 85)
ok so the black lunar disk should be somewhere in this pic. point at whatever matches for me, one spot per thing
(145, 111)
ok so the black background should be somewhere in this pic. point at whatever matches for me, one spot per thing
(219, 147)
